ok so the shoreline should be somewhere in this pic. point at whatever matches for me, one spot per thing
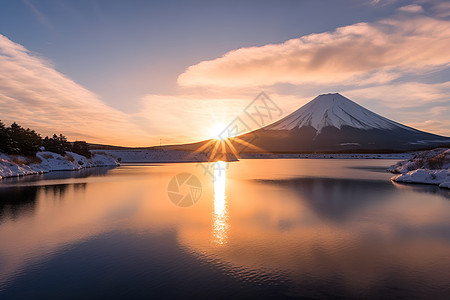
(412, 167)
(327, 156)
(426, 167)
(177, 156)
(45, 162)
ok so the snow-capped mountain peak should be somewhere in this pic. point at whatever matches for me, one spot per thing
(334, 110)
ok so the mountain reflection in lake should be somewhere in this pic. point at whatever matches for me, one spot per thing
(262, 228)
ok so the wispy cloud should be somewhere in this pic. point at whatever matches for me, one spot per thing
(366, 62)
(34, 94)
(39, 15)
(382, 3)
(371, 63)
(412, 8)
(420, 105)
(189, 117)
(365, 52)
(442, 9)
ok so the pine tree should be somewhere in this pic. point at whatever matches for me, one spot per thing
(23, 141)
(57, 144)
(15, 133)
(33, 142)
(82, 148)
(5, 140)
(63, 143)
(17, 140)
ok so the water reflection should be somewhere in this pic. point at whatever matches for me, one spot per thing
(56, 176)
(220, 226)
(17, 201)
(337, 200)
(283, 236)
(423, 188)
(19, 195)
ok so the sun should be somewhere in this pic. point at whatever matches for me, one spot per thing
(219, 131)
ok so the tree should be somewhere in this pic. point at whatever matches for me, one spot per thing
(22, 141)
(57, 144)
(33, 142)
(82, 148)
(63, 143)
(5, 141)
(17, 140)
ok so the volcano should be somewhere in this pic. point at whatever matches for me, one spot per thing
(332, 122)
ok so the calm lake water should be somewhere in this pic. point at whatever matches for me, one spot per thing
(262, 229)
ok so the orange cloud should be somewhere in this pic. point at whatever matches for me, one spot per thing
(189, 117)
(412, 8)
(441, 9)
(419, 105)
(35, 95)
(362, 53)
(213, 92)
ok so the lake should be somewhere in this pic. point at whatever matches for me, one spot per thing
(274, 228)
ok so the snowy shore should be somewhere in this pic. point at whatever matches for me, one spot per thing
(328, 156)
(158, 156)
(166, 156)
(16, 165)
(429, 167)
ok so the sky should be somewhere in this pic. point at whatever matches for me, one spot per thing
(140, 73)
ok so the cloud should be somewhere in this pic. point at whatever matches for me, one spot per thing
(419, 105)
(442, 9)
(39, 15)
(349, 59)
(190, 117)
(382, 3)
(404, 95)
(35, 95)
(361, 53)
(412, 8)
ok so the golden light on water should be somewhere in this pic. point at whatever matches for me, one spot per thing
(220, 226)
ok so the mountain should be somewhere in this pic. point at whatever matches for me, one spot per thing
(332, 122)
(328, 123)
(336, 111)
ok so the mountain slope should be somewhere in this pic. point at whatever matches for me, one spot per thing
(328, 123)
(333, 110)
(331, 122)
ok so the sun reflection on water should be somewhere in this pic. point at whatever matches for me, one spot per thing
(220, 227)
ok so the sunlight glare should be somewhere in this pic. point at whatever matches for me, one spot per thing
(219, 131)
(220, 227)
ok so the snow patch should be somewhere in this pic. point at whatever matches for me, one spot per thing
(158, 156)
(424, 176)
(16, 165)
(436, 159)
(337, 111)
(424, 142)
(429, 167)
